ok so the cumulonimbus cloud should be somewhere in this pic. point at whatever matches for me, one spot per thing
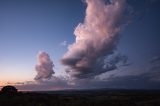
(44, 66)
(96, 38)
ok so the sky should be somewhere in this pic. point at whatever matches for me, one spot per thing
(80, 44)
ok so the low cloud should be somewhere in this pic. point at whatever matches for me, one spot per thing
(144, 78)
(155, 59)
(55, 83)
(154, 68)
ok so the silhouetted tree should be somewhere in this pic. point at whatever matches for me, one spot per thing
(9, 89)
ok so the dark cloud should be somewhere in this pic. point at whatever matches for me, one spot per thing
(102, 65)
(155, 59)
(147, 77)
(154, 68)
(134, 82)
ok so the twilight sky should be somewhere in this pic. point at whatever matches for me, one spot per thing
(63, 44)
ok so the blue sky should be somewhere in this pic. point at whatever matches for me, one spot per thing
(30, 26)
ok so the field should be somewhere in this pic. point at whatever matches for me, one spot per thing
(82, 98)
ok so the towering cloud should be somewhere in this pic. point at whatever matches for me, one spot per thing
(96, 39)
(44, 66)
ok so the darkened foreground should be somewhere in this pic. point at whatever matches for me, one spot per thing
(82, 98)
(8, 89)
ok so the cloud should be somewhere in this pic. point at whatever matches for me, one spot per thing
(64, 43)
(154, 68)
(144, 78)
(55, 83)
(155, 59)
(147, 77)
(96, 39)
(44, 67)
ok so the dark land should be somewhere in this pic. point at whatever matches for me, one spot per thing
(100, 97)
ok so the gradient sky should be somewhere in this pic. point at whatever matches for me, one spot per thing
(30, 26)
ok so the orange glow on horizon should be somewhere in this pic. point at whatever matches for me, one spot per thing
(13, 83)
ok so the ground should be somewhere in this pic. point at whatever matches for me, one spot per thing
(82, 98)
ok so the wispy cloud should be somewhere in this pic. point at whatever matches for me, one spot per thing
(64, 43)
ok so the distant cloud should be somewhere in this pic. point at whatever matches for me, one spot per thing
(145, 78)
(154, 68)
(44, 66)
(155, 59)
(96, 39)
(55, 83)
(64, 43)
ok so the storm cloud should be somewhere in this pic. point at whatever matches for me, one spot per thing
(96, 39)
